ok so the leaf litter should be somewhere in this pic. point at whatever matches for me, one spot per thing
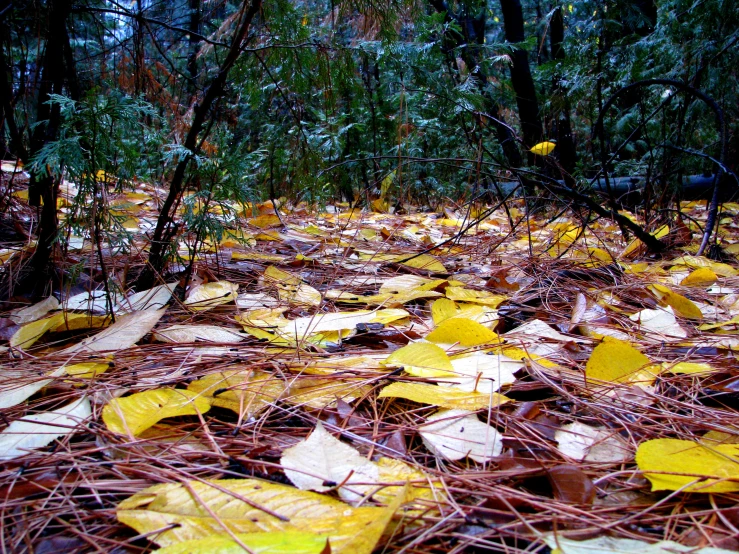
(309, 390)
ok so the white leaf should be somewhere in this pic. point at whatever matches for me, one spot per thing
(12, 394)
(592, 444)
(321, 458)
(124, 333)
(38, 430)
(151, 299)
(661, 321)
(454, 434)
(482, 372)
(613, 545)
(247, 301)
(193, 333)
(21, 316)
(94, 302)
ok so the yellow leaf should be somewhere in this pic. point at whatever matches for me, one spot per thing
(136, 413)
(76, 322)
(688, 368)
(242, 391)
(321, 392)
(443, 309)
(701, 277)
(209, 295)
(27, 335)
(483, 297)
(543, 148)
(695, 262)
(407, 283)
(423, 261)
(291, 288)
(287, 542)
(444, 397)
(708, 468)
(265, 221)
(422, 359)
(421, 490)
(682, 306)
(614, 361)
(172, 513)
(637, 244)
(87, 370)
(462, 331)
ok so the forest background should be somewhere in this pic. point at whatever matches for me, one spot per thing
(378, 104)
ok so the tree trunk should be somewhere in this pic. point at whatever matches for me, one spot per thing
(566, 153)
(166, 229)
(15, 145)
(43, 187)
(523, 83)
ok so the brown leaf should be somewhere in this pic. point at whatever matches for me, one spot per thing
(571, 485)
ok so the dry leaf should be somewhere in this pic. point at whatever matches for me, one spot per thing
(615, 545)
(21, 316)
(242, 391)
(591, 444)
(464, 332)
(37, 430)
(322, 459)
(455, 434)
(285, 542)
(193, 333)
(209, 295)
(124, 333)
(615, 361)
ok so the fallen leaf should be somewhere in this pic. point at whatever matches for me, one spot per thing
(246, 392)
(464, 332)
(152, 299)
(455, 434)
(615, 361)
(322, 462)
(682, 306)
(615, 545)
(21, 316)
(291, 288)
(193, 333)
(250, 506)
(285, 542)
(709, 469)
(209, 295)
(425, 262)
(660, 321)
(124, 333)
(37, 430)
(701, 277)
(591, 444)
(444, 397)
(484, 372)
(134, 414)
(571, 484)
(422, 359)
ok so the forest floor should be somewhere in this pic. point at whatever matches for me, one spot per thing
(525, 385)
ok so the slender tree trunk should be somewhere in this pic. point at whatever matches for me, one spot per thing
(166, 229)
(566, 152)
(43, 187)
(193, 42)
(15, 145)
(523, 83)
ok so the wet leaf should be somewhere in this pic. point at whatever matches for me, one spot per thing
(134, 414)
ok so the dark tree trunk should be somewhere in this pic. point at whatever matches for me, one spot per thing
(565, 151)
(469, 41)
(194, 42)
(523, 83)
(166, 229)
(15, 146)
(43, 187)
